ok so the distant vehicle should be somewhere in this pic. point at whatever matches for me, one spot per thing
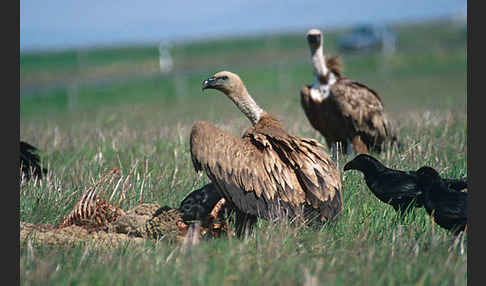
(367, 37)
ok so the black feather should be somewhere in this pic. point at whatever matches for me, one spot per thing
(456, 184)
(397, 188)
(198, 204)
(30, 161)
(447, 206)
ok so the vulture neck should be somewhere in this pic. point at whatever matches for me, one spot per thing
(321, 71)
(247, 105)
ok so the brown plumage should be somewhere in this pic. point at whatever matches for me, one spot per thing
(268, 172)
(342, 110)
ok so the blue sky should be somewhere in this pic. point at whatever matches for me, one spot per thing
(63, 23)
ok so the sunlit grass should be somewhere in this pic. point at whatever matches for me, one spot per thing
(143, 128)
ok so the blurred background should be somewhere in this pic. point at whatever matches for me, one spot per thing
(78, 58)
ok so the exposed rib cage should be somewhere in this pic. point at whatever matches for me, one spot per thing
(92, 210)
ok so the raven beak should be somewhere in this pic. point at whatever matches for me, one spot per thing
(347, 166)
(208, 83)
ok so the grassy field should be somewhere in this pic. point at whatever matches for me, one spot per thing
(86, 126)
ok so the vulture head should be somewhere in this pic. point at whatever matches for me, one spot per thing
(232, 85)
(224, 81)
(314, 38)
(364, 163)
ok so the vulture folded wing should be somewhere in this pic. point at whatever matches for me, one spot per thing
(312, 110)
(363, 105)
(262, 173)
(235, 166)
(315, 171)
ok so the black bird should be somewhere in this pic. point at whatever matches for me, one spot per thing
(456, 184)
(198, 204)
(394, 187)
(30, 161)
(447, 206)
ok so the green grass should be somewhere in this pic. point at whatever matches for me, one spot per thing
(142, 126)
(73, 60)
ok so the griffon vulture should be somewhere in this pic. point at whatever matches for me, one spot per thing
(268, 173)
(342, 110)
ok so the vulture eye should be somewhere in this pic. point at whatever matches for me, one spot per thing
(224, 77)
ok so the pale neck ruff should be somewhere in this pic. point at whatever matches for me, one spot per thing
(319, 91)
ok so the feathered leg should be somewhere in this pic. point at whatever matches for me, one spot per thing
(358, 146)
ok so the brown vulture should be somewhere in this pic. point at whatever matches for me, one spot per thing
(342, 110)
(268, 173)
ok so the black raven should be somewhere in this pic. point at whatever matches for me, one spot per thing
(447, 206)
(395, 187)
(30, 161)
(198, 204)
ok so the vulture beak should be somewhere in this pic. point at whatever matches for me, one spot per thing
(209, 83)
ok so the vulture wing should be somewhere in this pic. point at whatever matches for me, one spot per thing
(363, 106)
(312, 110)
(268, 171)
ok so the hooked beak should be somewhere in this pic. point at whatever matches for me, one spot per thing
(209, 83)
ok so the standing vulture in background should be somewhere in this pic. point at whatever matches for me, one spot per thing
(268, 173)
(30, 161)
(342, 110)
